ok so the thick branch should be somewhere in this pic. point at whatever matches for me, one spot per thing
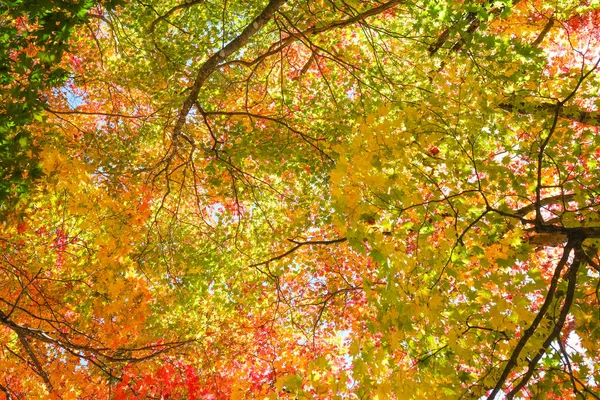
(572, 113)
(528, 333)
(212, 63)
(32, 333)
(523, 211)
(544, 32)
(555, 334)
(6, 392)
(38, 366)
(278, 46)
(357, 18)
(473, 23)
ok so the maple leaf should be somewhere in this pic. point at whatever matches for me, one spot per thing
(210, 199)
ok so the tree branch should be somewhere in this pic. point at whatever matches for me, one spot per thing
(306, 138)
(38, 366)
(523, 211)
(293, 249)
(543, 33)
(278, 46)
(213, 61)
(528, 333)
(473, 22)
(6, 392)
(542, 150)
(172, 10)
(572, 279)
(572, 113)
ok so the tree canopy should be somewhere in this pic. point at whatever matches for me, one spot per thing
(300, 199)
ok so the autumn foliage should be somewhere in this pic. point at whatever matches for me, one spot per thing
(331, 199)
